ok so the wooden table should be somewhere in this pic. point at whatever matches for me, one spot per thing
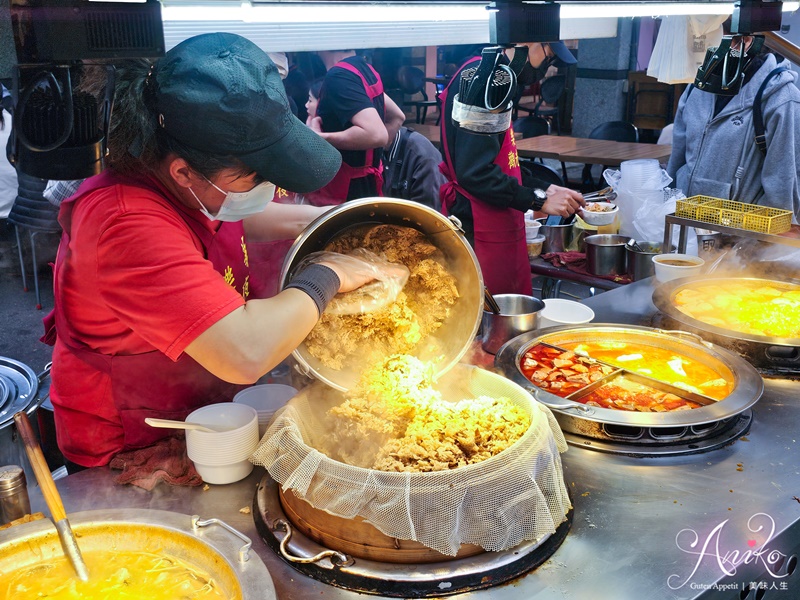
(611, 153)
(570, 149)
(585, 150)
(432, 132)
(552, 146)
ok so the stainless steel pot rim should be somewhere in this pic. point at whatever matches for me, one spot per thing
(664, 295)
(445, 233)
(748, 383)
(22, 386)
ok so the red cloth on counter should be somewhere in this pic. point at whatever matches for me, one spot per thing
(576, 261)
(166, 460)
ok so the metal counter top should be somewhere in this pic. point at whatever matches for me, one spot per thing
(636, 519)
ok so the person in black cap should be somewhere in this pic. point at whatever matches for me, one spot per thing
(486, 189)
(153, 313)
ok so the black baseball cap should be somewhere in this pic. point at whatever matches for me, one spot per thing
(562, 53)
(220, 93)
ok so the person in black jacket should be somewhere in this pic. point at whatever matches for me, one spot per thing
(411, 169)
(486, 189)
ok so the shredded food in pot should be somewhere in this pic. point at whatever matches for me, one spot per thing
(420, 309)
(395, 409)
(129, 575)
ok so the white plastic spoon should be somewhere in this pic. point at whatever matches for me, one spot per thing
(169, 424)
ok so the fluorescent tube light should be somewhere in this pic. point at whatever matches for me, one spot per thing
(655, 9)
(324, 13)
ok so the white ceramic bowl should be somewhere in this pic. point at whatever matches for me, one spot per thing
(235, 440)
(599, 217)
(532, 229)
(675, 266)
(266, 399)
(222, 474)
(558, 312)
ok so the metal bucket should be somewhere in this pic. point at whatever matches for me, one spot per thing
(518, 314)
(640, 262)
(606, 255)
(708, 242)
(560, 238)
(456, 333)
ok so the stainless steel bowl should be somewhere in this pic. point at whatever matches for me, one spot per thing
(456, 333)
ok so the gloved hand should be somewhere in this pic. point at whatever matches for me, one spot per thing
(367, 281)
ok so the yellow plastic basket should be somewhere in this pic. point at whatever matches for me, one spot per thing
(738, 215)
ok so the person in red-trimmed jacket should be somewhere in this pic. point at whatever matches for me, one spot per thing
(485, 188)
(355, 116)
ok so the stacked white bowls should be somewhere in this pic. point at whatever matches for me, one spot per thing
(266, 399)
(222, 456)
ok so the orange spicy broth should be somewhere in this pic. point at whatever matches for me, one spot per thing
(659, 363)
(623, 394)
(559, 372)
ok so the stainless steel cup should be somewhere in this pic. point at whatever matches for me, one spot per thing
(707, 241)
(605, 254)
(640, 263)
(518, 314)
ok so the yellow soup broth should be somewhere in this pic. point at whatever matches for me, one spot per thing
(659, 363)
(753, 307)
(112, 576)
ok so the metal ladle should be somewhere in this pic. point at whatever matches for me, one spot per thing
(634, 244)
(51, 495)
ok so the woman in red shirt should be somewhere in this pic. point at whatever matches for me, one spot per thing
(153, 313)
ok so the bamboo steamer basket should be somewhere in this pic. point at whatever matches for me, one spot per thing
(358, 538)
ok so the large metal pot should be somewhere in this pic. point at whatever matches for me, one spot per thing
(19, 391)
(455, 334)
(218, 551)
(776, 353)
(747, 389)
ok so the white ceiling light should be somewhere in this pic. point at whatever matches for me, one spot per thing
(331, 12)
(653, 9)
(335, 12)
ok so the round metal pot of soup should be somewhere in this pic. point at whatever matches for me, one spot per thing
(154, 554)
(435, 317)
(606, 254)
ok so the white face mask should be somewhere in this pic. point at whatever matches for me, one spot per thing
(239, 205)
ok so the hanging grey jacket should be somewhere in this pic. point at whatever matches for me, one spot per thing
(718, 157)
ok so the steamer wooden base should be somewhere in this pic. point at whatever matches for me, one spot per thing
(358, 538)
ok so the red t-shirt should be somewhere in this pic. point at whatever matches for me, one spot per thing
(134, 279)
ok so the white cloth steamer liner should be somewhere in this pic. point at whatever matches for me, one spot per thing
(517, 495)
